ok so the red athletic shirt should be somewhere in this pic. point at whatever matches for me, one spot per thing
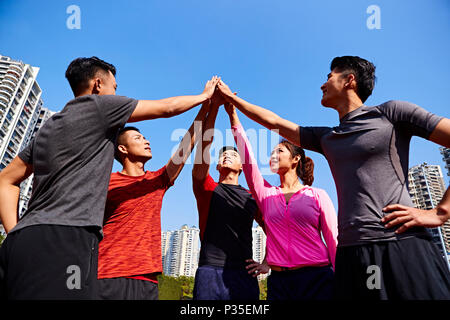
(131, 246)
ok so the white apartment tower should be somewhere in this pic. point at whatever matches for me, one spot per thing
(21, 114)
(259, 247)
(26, 186)
(181, 248)
(446, 157)
(20, 105)
(180, 251)
(426, 188)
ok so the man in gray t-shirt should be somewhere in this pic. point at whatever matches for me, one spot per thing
(368, 156)
(52, 251)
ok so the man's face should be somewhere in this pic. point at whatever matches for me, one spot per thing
(333, 89)
(229, 159)
(136, 146)
(107, 84)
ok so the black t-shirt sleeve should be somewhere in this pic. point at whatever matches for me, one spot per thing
(27, 154)
(416, 120)
(310, 138)
(116, 110)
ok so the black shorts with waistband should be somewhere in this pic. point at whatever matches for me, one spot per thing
(407, 269)
(49, 262)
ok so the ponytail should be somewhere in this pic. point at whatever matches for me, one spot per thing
(305, 167)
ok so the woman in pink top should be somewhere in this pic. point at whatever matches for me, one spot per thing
(295, 218)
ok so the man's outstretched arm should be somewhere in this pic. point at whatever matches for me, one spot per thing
(202, 157)
(169, 107)
(178, 159)
(264, 117)
(10, 179)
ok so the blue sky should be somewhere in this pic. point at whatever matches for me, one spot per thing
(273, 53)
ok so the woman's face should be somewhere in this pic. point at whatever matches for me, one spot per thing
(281, 159)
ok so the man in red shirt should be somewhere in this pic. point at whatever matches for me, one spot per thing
(130, 252)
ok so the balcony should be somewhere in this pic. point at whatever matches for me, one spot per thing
(9, 83)
(13, 76)
(3, 105)
(7, 87)
(4, 98)
(16, 68)
(5, 90)
(15, 72)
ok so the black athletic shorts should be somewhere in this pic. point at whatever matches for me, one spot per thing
(127, 289)
(50, 262)
(407, 269)
(307, 283)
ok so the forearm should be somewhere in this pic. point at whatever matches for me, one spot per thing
(285, 128)
(9, 199)
(202, 157)
(255, 180)
(165, 108)
(263, 116)
(178, 159)
(178, 105)
(234, 119)
(443, 208)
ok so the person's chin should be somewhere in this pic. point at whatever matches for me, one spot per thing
(274, 168)
(324, 103)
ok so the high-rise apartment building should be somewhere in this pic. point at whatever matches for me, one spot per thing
(426, 188)
(20, 105)
(21, 114)
(446, 157)
(259, 247)
(180, 251)
(26, 186)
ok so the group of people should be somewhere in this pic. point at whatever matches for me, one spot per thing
(90, 234)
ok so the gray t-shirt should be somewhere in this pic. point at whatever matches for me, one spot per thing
(72, 157)
(368, 156)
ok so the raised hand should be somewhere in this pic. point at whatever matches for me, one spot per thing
(224, 89)
(217, 98)
(210, 87)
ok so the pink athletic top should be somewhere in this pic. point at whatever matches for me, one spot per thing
(293, 230)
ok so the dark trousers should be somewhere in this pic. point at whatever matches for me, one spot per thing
(49, 262)
(308, 283)
(127, 289)
(218, 283)
(407, 269)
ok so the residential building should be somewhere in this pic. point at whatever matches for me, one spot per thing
(259, 247)
(180, 251)
(426, 188)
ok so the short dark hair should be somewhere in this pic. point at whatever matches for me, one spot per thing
(363, 70)
(119, 141)
(225, 148)
(81, 70)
